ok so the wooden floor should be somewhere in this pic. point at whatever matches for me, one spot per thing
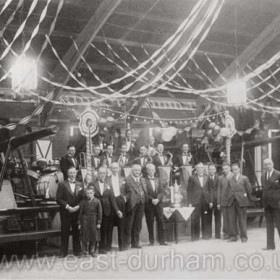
(186, 260)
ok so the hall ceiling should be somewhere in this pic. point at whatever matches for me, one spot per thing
(139, 25)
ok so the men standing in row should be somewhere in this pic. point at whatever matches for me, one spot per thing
(238, 195)
(135, 189)
(271, 201)
(117, 186)
(222, 198)
(105, 195)
(153, 206)
(69, 195)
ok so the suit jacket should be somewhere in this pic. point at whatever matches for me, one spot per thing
(178, 160)
(96, 163)
(105, 161)
(213, 186)
(132, 196)
(240, 189)
(107, 199)
(66, 162)
(157, 162)
(222, 198)
(195, 190)
(271, 190)
(65, 196)
(121, 184)
(151, 194)
(146, 161)
(103, 147)
(123, 163)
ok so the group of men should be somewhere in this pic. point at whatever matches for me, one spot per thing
(126, 199)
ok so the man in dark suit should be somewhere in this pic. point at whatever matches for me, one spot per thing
(69, 195)
(124, 159)
(108, 202)
(69, 161)
(143, 159)
(222, 199)
(238, 195)
(153, 205)
(184, 158)
(135, 189)
(271, 201)
(117, 186)
(198, 196)
(100, 141)
(129, 143)
(214, 208)
(160, 159)
(108, 158)
(96, 157)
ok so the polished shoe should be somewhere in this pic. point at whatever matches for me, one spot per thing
(163, 244)
(244, 240)
(136, 246)
(232, 239)
(268, 249)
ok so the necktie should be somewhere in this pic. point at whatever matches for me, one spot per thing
(268, 175)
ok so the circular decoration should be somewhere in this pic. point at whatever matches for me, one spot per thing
(88, 123)
(167, 134)
(216, 130)
(173, 130)
(157, 132)
(102, 121)
(224, 132)
(110, 119)
(230, 124)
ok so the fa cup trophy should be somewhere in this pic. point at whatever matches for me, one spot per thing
(176, 196)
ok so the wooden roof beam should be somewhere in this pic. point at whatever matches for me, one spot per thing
(72, 57)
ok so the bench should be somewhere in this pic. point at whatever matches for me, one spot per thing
(35, 233)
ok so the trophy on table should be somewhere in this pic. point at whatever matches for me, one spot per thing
(176, 196)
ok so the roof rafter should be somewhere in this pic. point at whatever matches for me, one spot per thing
(72, 57)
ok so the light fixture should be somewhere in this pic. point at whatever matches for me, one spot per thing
(237, 92)
(24, 74)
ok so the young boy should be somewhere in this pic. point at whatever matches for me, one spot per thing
(90, 217)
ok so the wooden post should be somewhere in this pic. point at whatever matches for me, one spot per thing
(27, 179)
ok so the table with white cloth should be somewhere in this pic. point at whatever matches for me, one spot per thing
(176, 216)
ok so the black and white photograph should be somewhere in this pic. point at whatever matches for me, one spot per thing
(139, 139)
